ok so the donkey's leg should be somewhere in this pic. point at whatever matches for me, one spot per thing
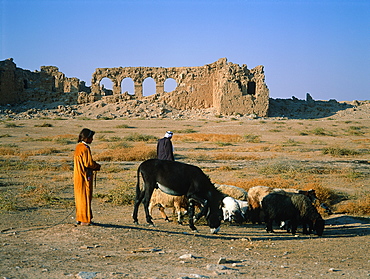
(191, 215)
(203, 211)
(146, 201)
(139, 197)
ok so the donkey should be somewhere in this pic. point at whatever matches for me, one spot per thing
(177, 179)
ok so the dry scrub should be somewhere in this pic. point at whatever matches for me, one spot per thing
(36, 158)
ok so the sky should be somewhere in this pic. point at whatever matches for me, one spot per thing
(320, 47)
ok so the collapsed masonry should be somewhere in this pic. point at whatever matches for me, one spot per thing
(46, 86)
(224, 86)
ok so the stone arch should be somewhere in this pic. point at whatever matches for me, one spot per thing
(128, 85)
(170, 85)
(149, 86)
(227, 87)
(106, 86)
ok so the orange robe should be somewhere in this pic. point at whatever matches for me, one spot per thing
(83, 182)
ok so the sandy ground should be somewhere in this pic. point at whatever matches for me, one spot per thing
(44, 243)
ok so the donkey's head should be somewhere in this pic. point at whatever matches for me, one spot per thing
(214, 216)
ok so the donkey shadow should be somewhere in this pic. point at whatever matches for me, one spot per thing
(336, 227)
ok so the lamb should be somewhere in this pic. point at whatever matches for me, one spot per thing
(295, 207)
(233, 191)
(232, 211)
(164, 200)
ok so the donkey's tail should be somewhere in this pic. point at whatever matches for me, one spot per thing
(138, 189)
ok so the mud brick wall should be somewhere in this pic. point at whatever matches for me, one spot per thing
(228, 87)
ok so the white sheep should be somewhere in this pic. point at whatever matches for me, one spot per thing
(232, 210)
(243, 208)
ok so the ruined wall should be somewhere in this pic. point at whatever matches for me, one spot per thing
(227, 87)
(243, 95)
(10, 85)
(47, 85)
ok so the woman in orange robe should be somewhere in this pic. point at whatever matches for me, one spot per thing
(84, 166)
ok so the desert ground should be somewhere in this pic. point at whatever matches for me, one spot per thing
(39, 238)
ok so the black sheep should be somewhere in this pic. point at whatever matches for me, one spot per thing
(294, 207)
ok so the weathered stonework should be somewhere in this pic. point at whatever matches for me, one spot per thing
(224, 86)
(228, 87)
(10, 83)
(47, 85)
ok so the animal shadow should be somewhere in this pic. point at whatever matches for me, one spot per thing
(346, 226)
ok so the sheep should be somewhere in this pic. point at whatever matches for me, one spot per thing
(255, 196)
(311, 194)
(244, 208)
(233, 191)
(257, 193)
(295, 207)
(232, 211)
(164, 200)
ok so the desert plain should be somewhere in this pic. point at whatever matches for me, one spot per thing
(39, 239)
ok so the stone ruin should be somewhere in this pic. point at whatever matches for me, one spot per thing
(46, 86)
(224, 86)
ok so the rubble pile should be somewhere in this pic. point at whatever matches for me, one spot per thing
(146, 109)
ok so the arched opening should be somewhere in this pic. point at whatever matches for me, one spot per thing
(127, 85)
(169, 85)
(149, 87)
(106, 86)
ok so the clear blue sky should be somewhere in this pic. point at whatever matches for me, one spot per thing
(321, 47)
